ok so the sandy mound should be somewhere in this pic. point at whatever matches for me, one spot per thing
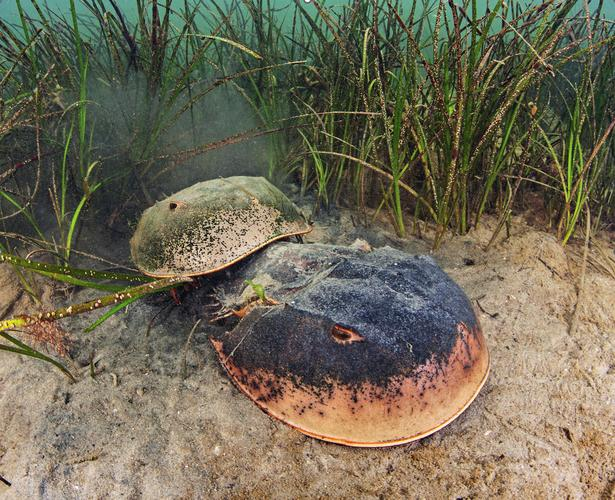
(160, 418)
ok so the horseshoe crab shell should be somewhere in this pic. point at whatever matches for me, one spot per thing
(367, 349)
(211, 225)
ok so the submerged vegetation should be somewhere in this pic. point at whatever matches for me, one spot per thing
(443, 113)
(436, 112)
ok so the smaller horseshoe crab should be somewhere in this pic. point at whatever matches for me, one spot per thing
(364, 349)
(212, 225)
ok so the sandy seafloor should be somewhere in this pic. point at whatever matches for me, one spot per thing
(150, 425)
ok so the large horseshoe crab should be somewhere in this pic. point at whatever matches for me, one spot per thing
(363, 349)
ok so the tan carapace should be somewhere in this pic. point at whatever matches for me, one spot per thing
(212, 225)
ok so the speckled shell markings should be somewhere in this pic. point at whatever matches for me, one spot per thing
(368, 349)
(211, 225)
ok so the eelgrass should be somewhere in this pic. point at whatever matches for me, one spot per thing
(436, 94)
(42, 325)
(165, 67)
(439, 98)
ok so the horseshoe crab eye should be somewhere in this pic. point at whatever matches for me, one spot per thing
(344, 335)
(173, 205)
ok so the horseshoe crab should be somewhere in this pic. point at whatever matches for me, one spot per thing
(364, 349)
(211, 225)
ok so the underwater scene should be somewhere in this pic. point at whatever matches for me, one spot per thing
(307, 248)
